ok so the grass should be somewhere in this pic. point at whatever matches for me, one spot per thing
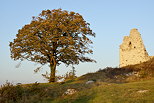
(146, 69)
(114, 93)
(110, 85)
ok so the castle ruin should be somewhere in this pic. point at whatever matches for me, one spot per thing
(132, 50)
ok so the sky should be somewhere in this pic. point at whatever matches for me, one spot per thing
(111, 20)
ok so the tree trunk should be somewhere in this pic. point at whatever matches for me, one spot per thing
(53, 72)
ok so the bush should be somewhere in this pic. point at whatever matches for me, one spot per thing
(10, 93)
(21, 94)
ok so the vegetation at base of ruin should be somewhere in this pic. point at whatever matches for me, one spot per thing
(54, 37)
(144, 70)
(108, 85)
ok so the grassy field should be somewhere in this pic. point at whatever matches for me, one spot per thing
(98, 92)
(109, 85)
(135, 92)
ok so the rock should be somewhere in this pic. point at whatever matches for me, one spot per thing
(90, 82)
(70, 92)
(18, 83)
(128, 74)
(142, 91)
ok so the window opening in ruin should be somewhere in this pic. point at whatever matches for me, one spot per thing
(134, 46)
(130, 44)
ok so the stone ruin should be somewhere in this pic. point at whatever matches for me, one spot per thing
(132, 50)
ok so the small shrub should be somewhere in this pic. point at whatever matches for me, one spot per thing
(10, 93)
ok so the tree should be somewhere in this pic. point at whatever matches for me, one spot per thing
(54, 37)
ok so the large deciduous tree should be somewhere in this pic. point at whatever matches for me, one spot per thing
(54, 37)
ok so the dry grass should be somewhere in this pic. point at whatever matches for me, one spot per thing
(109, 87)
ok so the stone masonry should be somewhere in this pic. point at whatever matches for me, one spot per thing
(132, 50)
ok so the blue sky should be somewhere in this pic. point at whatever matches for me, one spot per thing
(109, 19)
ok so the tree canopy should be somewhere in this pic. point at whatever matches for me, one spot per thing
(54, 37)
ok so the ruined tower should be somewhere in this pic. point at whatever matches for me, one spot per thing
(132, 50)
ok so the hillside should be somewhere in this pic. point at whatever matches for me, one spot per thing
(145, 65)
(109, 85)
(135, 92)
(98, 92)
(145, 69)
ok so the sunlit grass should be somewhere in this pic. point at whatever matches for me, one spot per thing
(114, 93)
(105, 89)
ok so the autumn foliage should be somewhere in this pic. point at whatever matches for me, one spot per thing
(54, 37)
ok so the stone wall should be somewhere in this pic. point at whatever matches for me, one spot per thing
(132, 50)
